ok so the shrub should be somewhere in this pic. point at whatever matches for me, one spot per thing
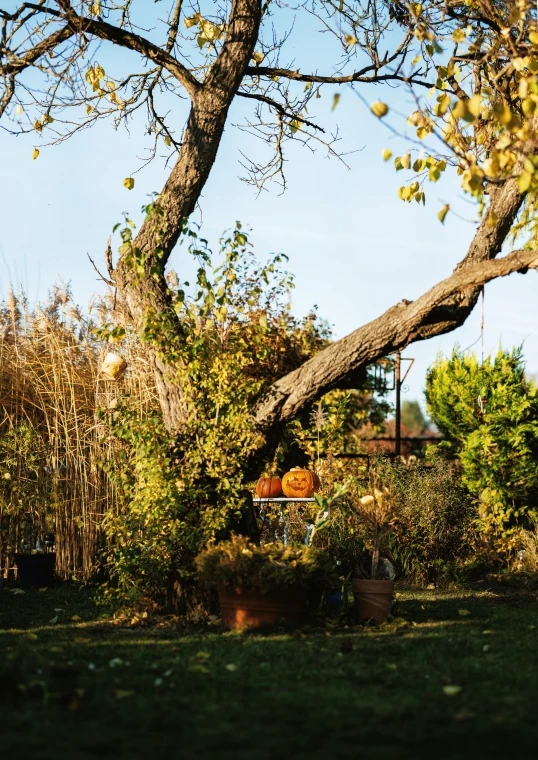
(238, 563)
(436, 532)
(498, 443)
(429, 532)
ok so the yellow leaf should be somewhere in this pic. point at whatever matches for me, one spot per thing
(129, 183)
(231, 667)
(350, 40)
(379, 109)
(416, 60)
(123, 693)
(463, 613)
(99, 72)
(167, 140)
(75, 618)
(458, 35)
(192, 21)
(19, 110)
(533, 37)
(474, 105)
(35, 154)
(38, 126)
(387, 154)
(111, 85)
(89, 109)
(451, 690)
(257, 57)
(406, 161)
(336, 98)
(442, 215)
(524, 182)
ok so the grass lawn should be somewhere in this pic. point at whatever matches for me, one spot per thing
(76, 685)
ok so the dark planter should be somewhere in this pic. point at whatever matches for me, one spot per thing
(36, 569)
(252, 609)
(372, 599)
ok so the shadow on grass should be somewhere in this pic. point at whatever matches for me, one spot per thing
(87, 688)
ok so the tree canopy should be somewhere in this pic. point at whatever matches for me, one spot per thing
(469, 67)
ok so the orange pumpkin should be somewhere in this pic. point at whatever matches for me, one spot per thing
(299, 483)
(269, 487)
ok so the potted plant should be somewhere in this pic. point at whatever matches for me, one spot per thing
(378, 511)
(261, 585)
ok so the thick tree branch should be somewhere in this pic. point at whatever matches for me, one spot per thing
(124, 38)
(16, 65)
(392, 331)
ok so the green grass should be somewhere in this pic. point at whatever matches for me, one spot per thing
(88, 688)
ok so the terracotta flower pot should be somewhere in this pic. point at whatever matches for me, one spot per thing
(372, 599)
(252, 609)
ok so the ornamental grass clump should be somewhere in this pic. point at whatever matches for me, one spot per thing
(240, 564)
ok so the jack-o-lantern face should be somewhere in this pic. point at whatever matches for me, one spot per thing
(300, 484)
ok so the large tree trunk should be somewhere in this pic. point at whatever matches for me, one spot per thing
(157, 237)
(443, 308)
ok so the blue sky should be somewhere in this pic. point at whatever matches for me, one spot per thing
(354, 247)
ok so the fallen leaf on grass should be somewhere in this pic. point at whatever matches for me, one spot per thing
(486, 648)
(58, 609)
(16, 590)
(123, 693)
(81, 640)
(451, 690)
(53, 620)
(198, 669)
(44, 589)
(231, 667)
(464, 715)
(391, 665)
(463, 613)
(202, 655)
(76, 617)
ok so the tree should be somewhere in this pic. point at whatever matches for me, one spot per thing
(413, 418)
(488, 414)
(478, 59)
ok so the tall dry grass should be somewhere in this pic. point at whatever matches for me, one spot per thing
(50, 384)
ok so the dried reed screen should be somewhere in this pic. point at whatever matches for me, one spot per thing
(50, 441)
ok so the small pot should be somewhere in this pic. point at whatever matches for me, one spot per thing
(373, 599)
(36, 569)
(252, 609)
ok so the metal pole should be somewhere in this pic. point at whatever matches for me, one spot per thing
(398, 384)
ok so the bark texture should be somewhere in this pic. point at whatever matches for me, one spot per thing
(440, 310)
(210, 104)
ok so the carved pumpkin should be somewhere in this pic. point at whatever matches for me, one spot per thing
(299, 483)
(269, 487)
